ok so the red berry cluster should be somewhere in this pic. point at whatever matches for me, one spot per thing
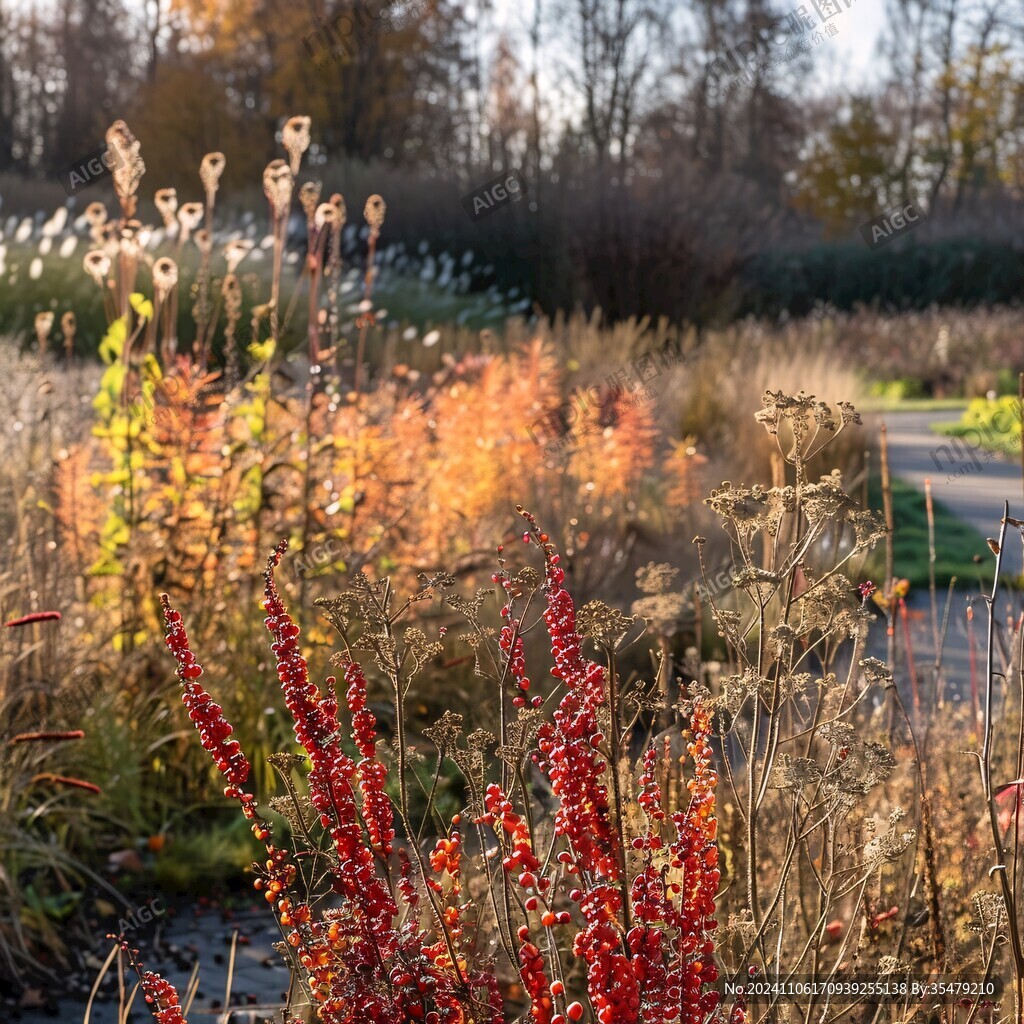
(569, 745)
(511, 644)
(331, 776)
(447, 855)
(520, 861)
(162, 998)
(651, 959)
(205, 712)
(378, 814)
(535, 982)
(650, 792)
(406, 884)
(611, 984)
(738, 1013)
(359, 965)
(696, 853)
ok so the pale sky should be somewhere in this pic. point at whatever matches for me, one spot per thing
(851, 57)
(844, 62)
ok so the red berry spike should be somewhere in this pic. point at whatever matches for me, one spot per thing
(214, 729)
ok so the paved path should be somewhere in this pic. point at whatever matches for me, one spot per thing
(172, 947)
(971, 482)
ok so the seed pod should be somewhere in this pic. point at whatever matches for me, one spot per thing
(132, 239)
(68, 326)
(95, 214)
(204, 243)
(210, 171)
(166, 200)
(44, 324)
(189, 216)
(338, 202)
(374, 213)
(236, 251)
(295, 138)
(309, 196)
(325, 214)
(97, 265)
(278, 182)
(165, 277)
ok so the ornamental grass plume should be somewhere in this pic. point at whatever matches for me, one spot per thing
(128, 173)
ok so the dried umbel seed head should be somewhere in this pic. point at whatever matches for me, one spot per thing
(165, 276)
(204, 243)
(277, 184)
(326, 214)
(44, 324)
(97, 265)
(295, 138)
(309, 196)
(95, 214)
(68, 324)
(236, 251)
(166, 200)
(210, 171)
(374, 213)
(128, 175)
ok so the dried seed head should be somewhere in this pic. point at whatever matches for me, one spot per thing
(210, 171)
(325, 215)
(277, 184)
(236, 251)
(44, 324)
(295, 137)
(165, 276)
(128, 175)
(95, 214)
(131, 239)
(68, 324)
(337, 200)
(374, 213)
(166, 200)
(309, 196)
(204, 243)
(97, 265)
(190, 215)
